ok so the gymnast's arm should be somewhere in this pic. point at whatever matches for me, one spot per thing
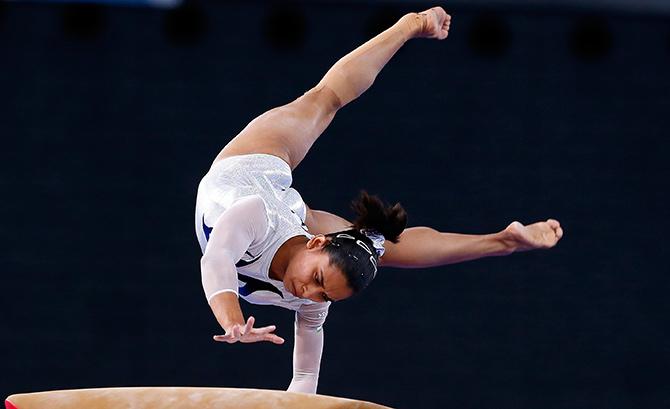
(232, 234)
(420, 247)
(308, 347)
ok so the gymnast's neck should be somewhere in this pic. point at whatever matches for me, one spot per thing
(284, 254)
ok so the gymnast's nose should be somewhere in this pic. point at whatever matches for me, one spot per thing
(310, 291)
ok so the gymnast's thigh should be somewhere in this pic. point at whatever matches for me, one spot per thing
(247, 146)
(288, 131)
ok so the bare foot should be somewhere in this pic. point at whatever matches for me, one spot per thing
(541, 235)
(432, 23)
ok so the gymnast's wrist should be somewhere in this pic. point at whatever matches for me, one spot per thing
(226, 308)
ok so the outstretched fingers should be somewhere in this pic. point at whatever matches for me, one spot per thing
(275, 339)
(266, 334)
(229, 338)
(247, 333)
(249, 325)
(265, 330)
(234, 335)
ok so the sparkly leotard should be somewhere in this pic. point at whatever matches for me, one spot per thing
(251, 195)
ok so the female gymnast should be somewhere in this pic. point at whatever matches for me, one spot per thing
(261, 242)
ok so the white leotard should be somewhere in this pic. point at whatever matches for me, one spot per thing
(246, 209)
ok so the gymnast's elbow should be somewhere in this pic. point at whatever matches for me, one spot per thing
(210, 264)
(206, 262)
(213, 257)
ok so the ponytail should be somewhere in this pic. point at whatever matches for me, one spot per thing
(374, 214)
(352, 251)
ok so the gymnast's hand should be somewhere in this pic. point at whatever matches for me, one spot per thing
(541, 235)
(434, 23)
(247, 333)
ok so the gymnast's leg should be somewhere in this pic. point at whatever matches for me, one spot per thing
(290, 131)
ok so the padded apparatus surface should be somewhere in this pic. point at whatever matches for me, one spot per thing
(179, 398)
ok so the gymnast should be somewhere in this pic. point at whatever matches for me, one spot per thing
(261, 242)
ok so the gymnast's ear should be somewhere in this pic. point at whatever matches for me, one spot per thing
(317, 242)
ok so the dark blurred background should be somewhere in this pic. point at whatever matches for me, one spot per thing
(110, 114)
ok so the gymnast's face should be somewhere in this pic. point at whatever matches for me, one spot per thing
(310, 275)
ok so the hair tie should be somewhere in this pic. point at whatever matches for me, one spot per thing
(377, 240)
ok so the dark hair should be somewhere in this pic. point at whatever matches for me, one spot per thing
(359, 262)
